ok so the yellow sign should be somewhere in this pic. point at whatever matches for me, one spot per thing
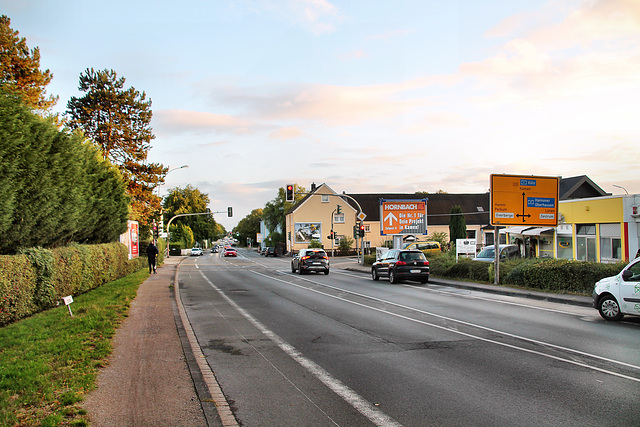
(524, 200)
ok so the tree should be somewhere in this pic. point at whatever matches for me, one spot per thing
(275, 211)
(20, 72)
(191, 200)
(457, 225)
(249, 226)
(118, 121)
(54, 188)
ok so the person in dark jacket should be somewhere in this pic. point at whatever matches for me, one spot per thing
(152, 253)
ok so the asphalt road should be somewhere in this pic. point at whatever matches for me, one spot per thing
(341, 349)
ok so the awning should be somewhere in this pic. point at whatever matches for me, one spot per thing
(536, 231)
(515, 230)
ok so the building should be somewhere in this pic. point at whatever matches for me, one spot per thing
(593, 225)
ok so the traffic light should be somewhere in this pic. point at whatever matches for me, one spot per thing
(156, 235)
(229, 211)
(339, 210)
(289, 193)
(361, 230)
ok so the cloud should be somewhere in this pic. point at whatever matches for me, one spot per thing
(287, 133)
(595, 47)
(316, 16)
(182, 121)
(356, 54)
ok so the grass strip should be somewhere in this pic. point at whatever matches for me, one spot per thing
(50, 361)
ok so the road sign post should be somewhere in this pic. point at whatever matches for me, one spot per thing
(522, 200)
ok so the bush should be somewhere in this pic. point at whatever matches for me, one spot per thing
(37, 279)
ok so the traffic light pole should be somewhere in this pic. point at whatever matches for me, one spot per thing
(187, 214)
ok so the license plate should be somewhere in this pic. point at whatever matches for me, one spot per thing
(414, 271)
(317, 263)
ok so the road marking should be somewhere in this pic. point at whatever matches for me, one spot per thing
(469, 335)
(367, 409)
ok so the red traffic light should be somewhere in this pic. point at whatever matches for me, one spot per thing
(289, 192)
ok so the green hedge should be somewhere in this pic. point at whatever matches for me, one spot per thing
(37, 278)
(543, 274)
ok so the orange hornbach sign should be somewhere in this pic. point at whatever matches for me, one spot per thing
(524, 200)
(403, 216)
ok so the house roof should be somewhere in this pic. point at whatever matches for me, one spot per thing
(579, 187)
(474, 206)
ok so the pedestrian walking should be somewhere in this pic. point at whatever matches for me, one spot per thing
(152, 253)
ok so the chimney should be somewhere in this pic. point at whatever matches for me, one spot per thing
(313, 187)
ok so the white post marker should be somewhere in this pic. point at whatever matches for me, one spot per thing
(67, 301)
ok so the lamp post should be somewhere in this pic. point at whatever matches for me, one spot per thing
(620, 186)
(159, 185)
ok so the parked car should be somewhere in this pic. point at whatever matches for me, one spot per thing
(196, 252)
(230, 252)
(214, 249)
(426, 247)
(310, 260)
(488, 254)
(618, 295)
(270, 251)
(401, 264)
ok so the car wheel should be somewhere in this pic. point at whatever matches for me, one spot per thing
(609, 308)
(423, 281)
(300, 271)
(326, 272)
(374, 274)
(392, 277)
(293, 270)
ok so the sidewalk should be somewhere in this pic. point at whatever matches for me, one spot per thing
(147, 381)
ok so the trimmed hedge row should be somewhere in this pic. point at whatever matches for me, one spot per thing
(36, 279)
(544, 274)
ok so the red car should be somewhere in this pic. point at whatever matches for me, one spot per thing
(230, 252)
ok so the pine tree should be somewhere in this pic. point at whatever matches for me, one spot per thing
(457, 225)
(118, 121)
(20, 72)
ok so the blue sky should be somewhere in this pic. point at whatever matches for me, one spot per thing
(366, 96)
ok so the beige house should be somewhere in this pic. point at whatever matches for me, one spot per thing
(314, 218)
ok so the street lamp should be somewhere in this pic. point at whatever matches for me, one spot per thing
(620, 186)
(171, 170)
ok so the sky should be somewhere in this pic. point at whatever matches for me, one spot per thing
(366, 96)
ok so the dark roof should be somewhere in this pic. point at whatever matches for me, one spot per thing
(438, 206)
(580, 187)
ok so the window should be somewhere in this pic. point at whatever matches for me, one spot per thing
(367, 228)
(471, 234)
(325, 198)
(338, 219)
(586, 242)
(610, 243)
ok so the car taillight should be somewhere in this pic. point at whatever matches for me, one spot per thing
(304, 257)
(401, 263)
(426, 263)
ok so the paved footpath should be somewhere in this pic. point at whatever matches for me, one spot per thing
(147, 381)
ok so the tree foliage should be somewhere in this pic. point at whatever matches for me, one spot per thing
(20, 72)
(249, 226)
(118, 121)
(275, 211)
(191, 200)
(457, 225)
(54, 188)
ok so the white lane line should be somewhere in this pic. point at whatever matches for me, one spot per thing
(347, 394)
(477, 337)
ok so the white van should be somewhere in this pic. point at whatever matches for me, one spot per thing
(616, 296)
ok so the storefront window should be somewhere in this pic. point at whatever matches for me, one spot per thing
(586, 242)
(565, 247)
(610, 249)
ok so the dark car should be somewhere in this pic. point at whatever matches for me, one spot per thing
(270, 251)
(401, 264)
(310, 260)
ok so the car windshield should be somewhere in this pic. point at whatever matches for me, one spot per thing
(487, 253)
